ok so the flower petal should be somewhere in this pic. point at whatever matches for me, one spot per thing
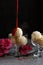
(1, 52)
(6, 51)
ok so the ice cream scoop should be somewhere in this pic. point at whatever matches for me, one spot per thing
(36, 35)
(18, 32)
(22, 40)
(40, 41)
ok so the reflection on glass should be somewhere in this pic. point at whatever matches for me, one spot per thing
(39, 47)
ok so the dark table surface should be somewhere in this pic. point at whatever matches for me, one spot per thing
(30, 60)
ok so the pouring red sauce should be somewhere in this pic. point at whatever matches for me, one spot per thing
(15, 29)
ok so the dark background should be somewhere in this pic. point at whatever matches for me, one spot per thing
(30, 16)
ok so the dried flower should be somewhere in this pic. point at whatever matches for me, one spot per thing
(5, 45)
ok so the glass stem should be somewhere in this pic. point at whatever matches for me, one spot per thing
(39, 52)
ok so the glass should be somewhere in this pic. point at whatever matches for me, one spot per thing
(39, 49)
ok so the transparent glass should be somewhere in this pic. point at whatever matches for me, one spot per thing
(39, 49)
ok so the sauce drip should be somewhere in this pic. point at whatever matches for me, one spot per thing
(13, 33)
(16, 13)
